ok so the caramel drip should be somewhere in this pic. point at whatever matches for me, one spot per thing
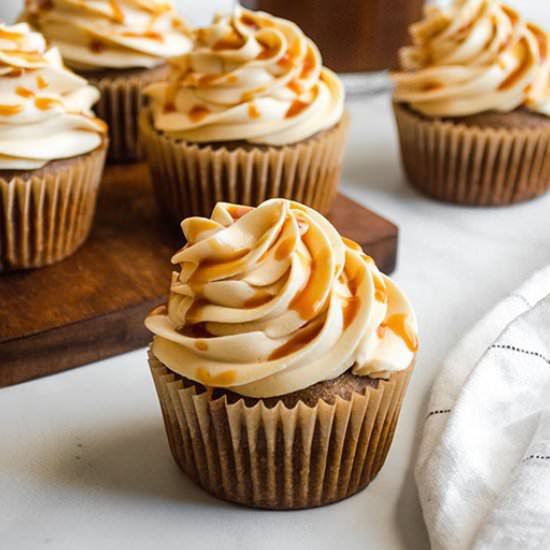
(288, 60)
(118, 14)
(210, 270)
(226, 378)
(24, 92)
(31, 57)
(41, 82)
(197, 226)
(541, 40)
(249, 21)
(380, 290)
(233, 41)
(97, 46)
(159, 310)
(14, 73)
(150, 35)
(350, 310)
(285, 248)
(309, 64)
(198, 113)
(10, 35)
(295, 87)
(10, 110)
(260, 299)
(253, 111)
(201, 345)
(45, 103)
(237, 212)
(352, 244)
(301, 339)
(515, 76)
(296, 108)
(398, 325)
(268, 50)
(249, 96)
(208, 79)
(307, 303)
(432, 86)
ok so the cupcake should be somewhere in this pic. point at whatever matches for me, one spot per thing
(120, 46)
(249, 114)
(473, 105)
(281, 359)
(52, 152)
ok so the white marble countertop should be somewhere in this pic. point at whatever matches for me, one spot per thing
(84, 461)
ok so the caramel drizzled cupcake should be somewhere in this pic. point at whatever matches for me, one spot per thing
(473, 105)
(249, 114)
(281, 359)
(52, 152)
(120, 46)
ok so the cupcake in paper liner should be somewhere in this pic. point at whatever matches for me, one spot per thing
(249, 114)
(281, 359)
(52, 152)
(472, 105)
(120, 46)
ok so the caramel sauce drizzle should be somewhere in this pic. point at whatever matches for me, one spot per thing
(307, 303)
(10, 35)
(197, 330)
(352, 244)
(515, 76)
(350, 310)
(253, 111)
(41, 82)
(295, 87)
(233, 41)
(237, 212)
(249, 21)
(309, 64)
(226, 378)
(287, 61)
(150, 35)
(118, 14)
(268, 50)
(541, 40)
(296, 108)
(398, 325)
(198, 113)
(31, 57)
(10, 110)
(24, 92)
(210, 270)
(301, 339)
(201, 345)
(285, 248)
(45, 103)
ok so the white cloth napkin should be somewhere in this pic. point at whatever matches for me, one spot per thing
(483, 471)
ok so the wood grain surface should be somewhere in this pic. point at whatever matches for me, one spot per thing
(92, 305)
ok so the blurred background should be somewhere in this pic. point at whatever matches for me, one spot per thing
(354, 35)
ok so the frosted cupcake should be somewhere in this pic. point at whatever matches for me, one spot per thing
(120, 46)
(249, 114)
(473, 105)
(281, 359)
(52, 152)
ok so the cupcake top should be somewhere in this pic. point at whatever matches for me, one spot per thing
(472, 57)
(272, 300)
(45, 109)
(111, 34)
(250, 77)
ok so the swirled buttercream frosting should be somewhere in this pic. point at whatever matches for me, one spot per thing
(474, 56)
(272, 300)
(111, 34)
(45, 109)
(250, 77)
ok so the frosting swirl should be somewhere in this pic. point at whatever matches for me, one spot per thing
(45, 109)
(272, 300)
(474, 56)
(250, 77)
(111, 34)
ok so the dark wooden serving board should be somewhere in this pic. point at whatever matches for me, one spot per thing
(92, 305)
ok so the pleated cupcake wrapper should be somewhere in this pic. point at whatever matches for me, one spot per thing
(279, 458)
(120, 104)
(473, 166)
(189, 179)
(45, 218)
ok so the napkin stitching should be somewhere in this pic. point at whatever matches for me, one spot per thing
(521, 350)
(440, 411)
(536, 457)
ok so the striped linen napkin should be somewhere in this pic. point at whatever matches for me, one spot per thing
(483, 471)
